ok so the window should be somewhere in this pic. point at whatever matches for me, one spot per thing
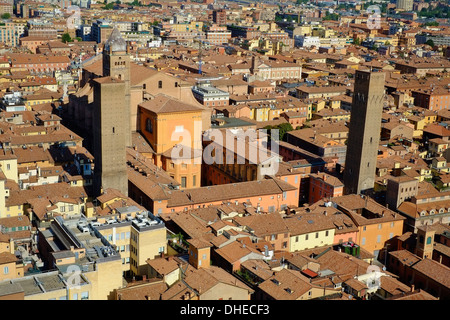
(159, 84)
(317, 235)
(183, 182)
(378, 238)
(75, 296)
(306, 237)
(204, 256)
(148, 125)
(363, 241)
(326, 233)
(194, 180)
(5, 270)
(379, 226)
(85, 295)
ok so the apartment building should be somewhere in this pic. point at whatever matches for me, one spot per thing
(323, 185)
(53, 285)
(376, 224)
(66, 243)
(309, 231)
(210, 96)
(39, 63)
(139, 237)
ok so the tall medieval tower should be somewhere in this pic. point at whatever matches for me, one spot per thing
(111, 117)
(364, 132)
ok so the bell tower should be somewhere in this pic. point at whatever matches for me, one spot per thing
(116, 64)
(425, 242)
(111, 117)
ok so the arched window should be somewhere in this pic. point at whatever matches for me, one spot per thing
(148, 125)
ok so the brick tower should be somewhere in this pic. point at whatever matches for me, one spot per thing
(111, 117)
(364, 132)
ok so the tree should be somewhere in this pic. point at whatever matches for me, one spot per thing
(66, 38)
(356, 41)
(6, 15)
(109, 6)
(331, 16)
(430, 43)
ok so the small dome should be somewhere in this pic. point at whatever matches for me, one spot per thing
(115, 42)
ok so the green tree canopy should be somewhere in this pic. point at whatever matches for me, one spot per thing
(282, 130)
(66, 38)
(6, 15)
(109, 6)
(331, 16)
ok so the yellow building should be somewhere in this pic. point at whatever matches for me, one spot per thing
(90, 259)
(199, 253)
(8, 165)
(147, 242)
(316, 231)
(10, 266)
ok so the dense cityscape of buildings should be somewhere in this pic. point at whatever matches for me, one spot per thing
(224, 150)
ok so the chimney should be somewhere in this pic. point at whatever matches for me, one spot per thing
(412, 288)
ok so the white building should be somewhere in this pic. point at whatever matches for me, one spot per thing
(307, 41)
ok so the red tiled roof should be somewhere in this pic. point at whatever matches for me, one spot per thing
(309, 273)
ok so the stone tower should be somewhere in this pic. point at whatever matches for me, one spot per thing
(111, 118)
(364, 132)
